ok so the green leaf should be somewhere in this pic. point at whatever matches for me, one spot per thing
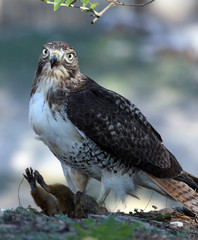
(92, 6)
(57, 4)
(68, 2)
(84, 2)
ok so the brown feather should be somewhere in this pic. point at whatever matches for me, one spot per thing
(119, 128)
(52, 199)
(180, 191)
(114, 135)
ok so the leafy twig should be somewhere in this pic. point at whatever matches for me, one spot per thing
(71, 5)
(96, 14)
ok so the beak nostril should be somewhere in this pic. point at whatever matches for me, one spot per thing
(53, 60)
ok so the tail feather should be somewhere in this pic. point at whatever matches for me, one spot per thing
(180, 191)
(189, 179)
(195, 179)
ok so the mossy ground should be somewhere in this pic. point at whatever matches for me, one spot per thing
(22, 224)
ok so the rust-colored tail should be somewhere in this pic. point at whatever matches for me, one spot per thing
(180, 191)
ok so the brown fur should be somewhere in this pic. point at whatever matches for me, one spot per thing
(52, 199)
(46, 201)
(58, 198)
(64, 196)
(85, 204)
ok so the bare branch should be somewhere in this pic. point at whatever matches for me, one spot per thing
(116, 2)
(98, 15)
(129, 5)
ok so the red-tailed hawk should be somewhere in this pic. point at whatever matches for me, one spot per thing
(97, 133)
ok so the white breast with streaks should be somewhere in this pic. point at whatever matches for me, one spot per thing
(58, 134)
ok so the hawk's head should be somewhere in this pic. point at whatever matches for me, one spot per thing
(56, 58)
(57, 67)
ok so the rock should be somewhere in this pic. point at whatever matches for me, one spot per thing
(177, 224)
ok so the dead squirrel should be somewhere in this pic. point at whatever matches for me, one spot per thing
(52, 199)
(58, 198)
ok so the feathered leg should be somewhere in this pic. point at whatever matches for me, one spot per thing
(76, 181)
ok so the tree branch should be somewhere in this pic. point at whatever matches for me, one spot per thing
(73, 6)
(96, 14)
(129, 5)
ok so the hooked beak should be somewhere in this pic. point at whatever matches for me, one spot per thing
(53, 61)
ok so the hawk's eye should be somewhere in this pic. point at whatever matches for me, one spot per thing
(70, 57)
(45, 52)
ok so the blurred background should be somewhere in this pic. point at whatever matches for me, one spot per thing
(149, 55)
